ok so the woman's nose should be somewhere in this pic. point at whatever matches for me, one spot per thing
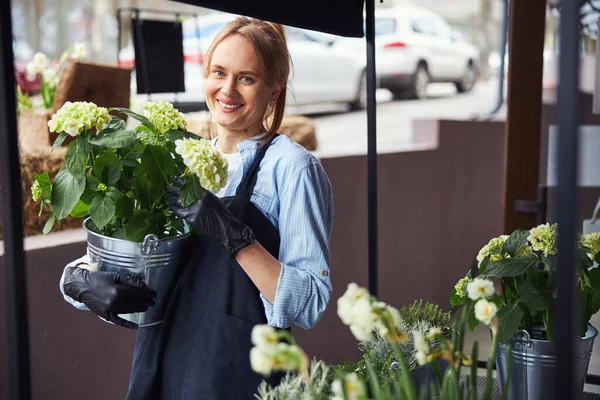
(228, 87)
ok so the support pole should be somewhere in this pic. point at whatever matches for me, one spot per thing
(15, 293)
(372, 148)
(566, 307)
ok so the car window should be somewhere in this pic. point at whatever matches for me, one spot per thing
(424, 26)
(383, 26)
(441, 28)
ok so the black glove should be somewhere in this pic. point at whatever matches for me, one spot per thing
(108, 293)
(209, 216)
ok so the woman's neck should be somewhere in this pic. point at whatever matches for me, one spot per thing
(229, 139)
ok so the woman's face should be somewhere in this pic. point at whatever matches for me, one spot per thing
(236, 93)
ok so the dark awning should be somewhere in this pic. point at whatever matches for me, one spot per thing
(339, 17)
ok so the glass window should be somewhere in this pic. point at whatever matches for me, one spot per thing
(423, 26)
(384, 26)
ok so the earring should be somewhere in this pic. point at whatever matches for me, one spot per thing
(272, 103)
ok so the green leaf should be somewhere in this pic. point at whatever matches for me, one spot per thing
(107, 168)
(66, 191)
(45, 184)
(59, 140)
(512, 266)
(75, 159)
(472, 321)
(136, 229)
(191, 190)
(484, 264)
(102, 210)
(83, 144)
(80, 210)
(174, 135)
(549, 260)
(534, 291)
(48, 225)
(509, 320)
(158, 163)
(515, 242)
(147, 190)
(145, 121)
(115, 124)
(124, 207)
(455, 299)
(115, 140)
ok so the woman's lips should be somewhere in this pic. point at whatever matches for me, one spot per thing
(228, 107)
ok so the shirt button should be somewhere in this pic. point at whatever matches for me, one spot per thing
(324, 272)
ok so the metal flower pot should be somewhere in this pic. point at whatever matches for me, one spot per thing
(424, 376)
(154, 261)
(533, 364)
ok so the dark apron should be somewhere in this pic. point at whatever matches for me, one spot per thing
(201, 350)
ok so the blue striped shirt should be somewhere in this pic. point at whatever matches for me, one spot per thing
(294, 193)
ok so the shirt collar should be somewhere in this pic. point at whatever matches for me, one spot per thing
(247, 144)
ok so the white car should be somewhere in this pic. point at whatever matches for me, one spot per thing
(320, 73)
(415, 46)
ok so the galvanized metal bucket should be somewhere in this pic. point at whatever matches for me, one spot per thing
(154, 261)
(533, 364)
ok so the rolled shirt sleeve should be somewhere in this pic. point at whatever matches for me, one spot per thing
(305, 224)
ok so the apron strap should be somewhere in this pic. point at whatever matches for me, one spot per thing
(246, 187)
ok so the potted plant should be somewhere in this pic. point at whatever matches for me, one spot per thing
(367, 316)
(116, 178)
(521, 266)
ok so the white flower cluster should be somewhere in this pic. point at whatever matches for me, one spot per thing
(37, 65)
(363, 314)
(77, 52)
(73, 118)
(203, 159)
(164, 116)
(270, 354)
(350, 387)
(479, 290)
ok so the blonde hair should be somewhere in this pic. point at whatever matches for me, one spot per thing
(269, 42)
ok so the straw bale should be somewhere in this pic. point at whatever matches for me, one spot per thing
(300, 128)
(39, 160)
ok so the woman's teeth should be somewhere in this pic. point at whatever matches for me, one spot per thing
(229, 106)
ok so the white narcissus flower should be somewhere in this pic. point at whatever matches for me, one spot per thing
(485, 311)
(37, 65)
(346, 303)
(480, 288)
(355, 388)
(261, 360)
(263, 335)
(421, 343)
(79, 51)
(50, 77)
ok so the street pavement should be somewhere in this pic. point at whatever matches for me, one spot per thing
(342, 134)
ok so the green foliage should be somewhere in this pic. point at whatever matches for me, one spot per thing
(119, 181)
(428, 312)
(524, 268)
(296, 387)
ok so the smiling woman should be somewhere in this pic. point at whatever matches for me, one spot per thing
(263, 253)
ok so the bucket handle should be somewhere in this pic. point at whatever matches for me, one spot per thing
(524, 339)
(150, 244)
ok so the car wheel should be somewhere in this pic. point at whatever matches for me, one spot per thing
(467, 82)
(360, 102)
(420, 82)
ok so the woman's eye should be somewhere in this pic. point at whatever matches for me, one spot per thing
(247, 79)
(218, 73)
